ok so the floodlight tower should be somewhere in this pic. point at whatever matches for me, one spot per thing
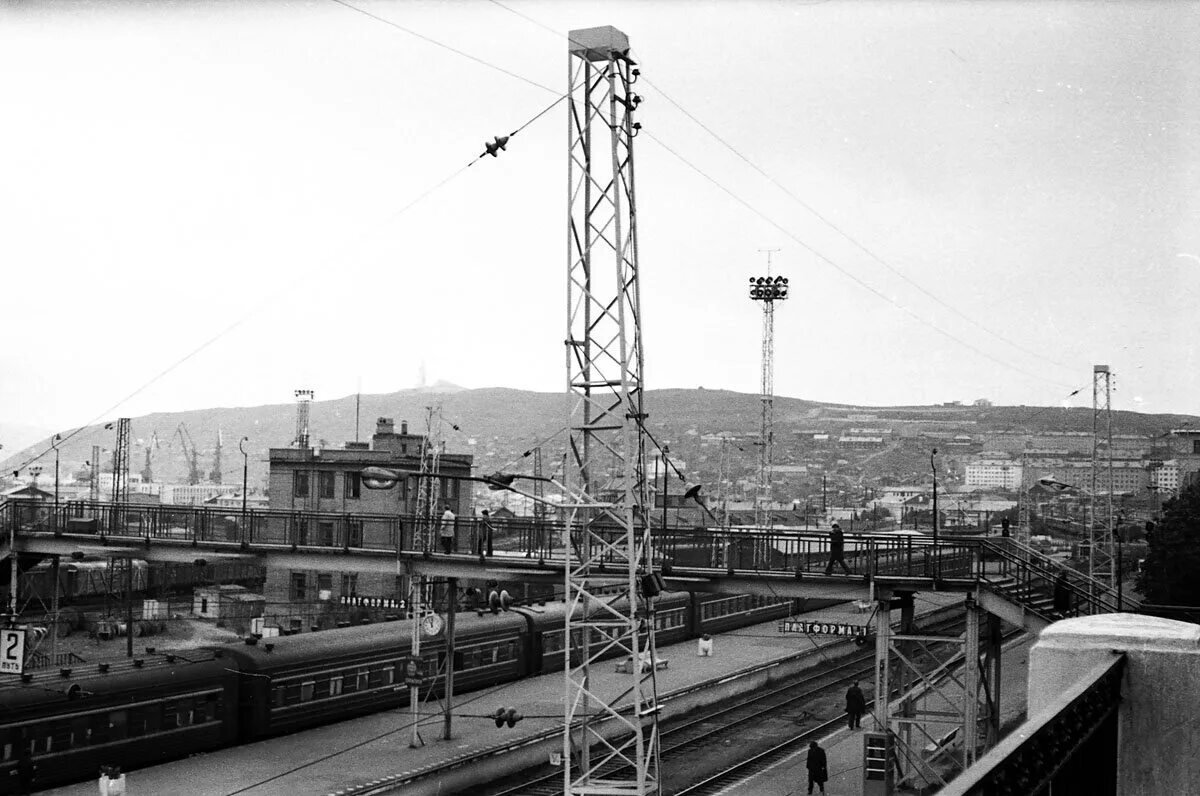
(608, 530)
(768, 290)
(1101, 555)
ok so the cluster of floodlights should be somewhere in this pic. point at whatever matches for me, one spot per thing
(765, 288)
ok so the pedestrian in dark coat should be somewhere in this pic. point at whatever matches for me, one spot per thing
(818, 767)
(856, 705)
(486, 531)
(837, 550)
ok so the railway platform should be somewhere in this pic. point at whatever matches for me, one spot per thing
(371, 754)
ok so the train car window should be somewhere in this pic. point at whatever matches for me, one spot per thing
(277, 696)
(61, 732)
(118, 725)
(363, 679)
(291, 694)
(186, 712)
(153, 716)
(335, 685)
(374, 677)
(321, 689)
(389, 675)
(8, 752)
(349, 682)
(306, 691)
(210, 710)
(99, 727)
(81, 731)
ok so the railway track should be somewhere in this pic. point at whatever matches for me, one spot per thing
(778, 711)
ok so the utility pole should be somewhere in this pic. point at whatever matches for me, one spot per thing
(768, 290)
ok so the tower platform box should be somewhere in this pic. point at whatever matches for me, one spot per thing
(598, 44)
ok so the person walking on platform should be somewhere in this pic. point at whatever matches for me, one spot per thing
(837, 550)
(818, 767)
(486, 530)
(856, 706)
(447, 530)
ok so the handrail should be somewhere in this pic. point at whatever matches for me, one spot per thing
(1035, 565)
(1019, 763)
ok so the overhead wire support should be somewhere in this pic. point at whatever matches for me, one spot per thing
(608, 532)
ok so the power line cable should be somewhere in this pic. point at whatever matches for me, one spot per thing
(445, 46)
(807, 206)
(267, 300)
(843, 271)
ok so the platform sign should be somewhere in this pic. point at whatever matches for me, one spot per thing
(414, 672)
(821, 628)
(12, 650)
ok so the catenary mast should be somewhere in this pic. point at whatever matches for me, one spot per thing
(608, 544)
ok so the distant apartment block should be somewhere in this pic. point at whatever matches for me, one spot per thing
(994, 474)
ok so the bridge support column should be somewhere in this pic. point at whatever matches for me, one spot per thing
(970, 685)
(883, 643)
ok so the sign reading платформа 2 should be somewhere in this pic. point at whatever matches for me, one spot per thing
(821, 628)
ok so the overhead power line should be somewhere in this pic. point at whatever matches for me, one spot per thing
(843, 271)
(807, 206)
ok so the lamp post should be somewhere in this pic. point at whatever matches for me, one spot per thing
(245, 472)
(666, 482)
(936, 558)
(54, 444)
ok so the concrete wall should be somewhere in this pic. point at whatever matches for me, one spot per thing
(1159, 726)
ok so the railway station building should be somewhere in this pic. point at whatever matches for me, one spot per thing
(328, 481)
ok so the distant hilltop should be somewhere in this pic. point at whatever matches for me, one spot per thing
(499, 425)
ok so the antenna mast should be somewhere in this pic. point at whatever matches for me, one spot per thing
(120, 483)
(607, 526)
(768, 290)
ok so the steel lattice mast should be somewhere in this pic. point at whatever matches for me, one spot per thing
(768, 290)
(608, 544)
(1101, 555)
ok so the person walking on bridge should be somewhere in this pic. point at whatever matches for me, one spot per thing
(447, 530)
(818, 767)
(856, 706)
(837, 550)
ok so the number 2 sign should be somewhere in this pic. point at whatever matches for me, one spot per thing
(12, 650)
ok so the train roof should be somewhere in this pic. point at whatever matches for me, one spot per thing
(552, 614)
(349, 643)
(49, 688)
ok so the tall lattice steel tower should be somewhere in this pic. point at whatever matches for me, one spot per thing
(767, 289)
(1102, 554)
(304, 400)
(608, 545)
(120, 482)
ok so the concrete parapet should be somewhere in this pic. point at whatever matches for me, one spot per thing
(1158, 723)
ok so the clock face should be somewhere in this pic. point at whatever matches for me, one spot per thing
(431, 625)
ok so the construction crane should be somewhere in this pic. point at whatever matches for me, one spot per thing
(189, 452)
(151, 446)
(216, 476)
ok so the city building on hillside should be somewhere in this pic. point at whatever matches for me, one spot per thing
(1164, 477)
(330, 480)
(994, 474)
(194, 494)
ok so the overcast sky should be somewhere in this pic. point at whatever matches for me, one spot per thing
(171, 169)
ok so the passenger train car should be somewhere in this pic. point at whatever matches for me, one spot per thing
(170, 705)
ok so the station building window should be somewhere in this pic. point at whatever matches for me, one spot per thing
(299, 484)
(325, 483)
(352, 486)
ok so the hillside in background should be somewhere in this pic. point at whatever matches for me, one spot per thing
(498, 425)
